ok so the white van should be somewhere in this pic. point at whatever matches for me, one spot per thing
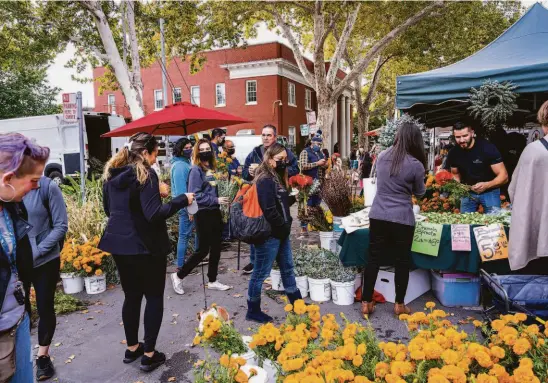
(63, 140)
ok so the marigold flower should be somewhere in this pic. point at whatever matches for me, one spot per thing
(362, 348)
(418, 355)
(288, 308)
(196, 340)
(477, 323)
(98, 272)
(224, 360)
(498, 352)
(241, 377)
(381, 369)
(484, 378)
(430, 305)
(532, 329)
(450, 357)
(520, 317)
(361, 379)
(521, 346)
(357, 361)
(498, 325)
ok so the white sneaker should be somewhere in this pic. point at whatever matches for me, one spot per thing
(177, 284)
(218, 286)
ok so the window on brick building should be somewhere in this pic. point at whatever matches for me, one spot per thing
(220, 95)
(291, 99)
(195, 95)
(308, 99)
(291, 136)
(251, 92)
(177, 96)
(158, 99)
(112, 103)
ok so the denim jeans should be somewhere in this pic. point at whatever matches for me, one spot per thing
(490, 201)
(185, 231)
(252, 254)
(265, 254)
(23, 360)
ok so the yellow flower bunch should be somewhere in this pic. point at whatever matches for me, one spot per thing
(82, 259)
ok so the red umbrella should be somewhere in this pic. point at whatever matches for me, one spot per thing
(179, 119)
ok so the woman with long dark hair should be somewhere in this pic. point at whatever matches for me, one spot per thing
(136, 235)
(272, 189)
(22, 164)
(209, 222)
(400, 175)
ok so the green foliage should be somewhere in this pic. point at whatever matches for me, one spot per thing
(388, 134)
(26, 93)
(227, 341)
(493, 103)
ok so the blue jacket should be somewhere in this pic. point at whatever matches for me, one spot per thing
(204, 188)
(256, 157)
(49, 224)
(136, 215)
(274, 201)
(180, 170)
(233, 167)
(23, 257)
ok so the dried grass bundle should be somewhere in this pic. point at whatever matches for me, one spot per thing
(337, 193)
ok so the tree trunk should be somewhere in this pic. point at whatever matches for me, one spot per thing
(324, 121)
(131, 92)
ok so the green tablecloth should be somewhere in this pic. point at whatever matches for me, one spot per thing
(355, 251)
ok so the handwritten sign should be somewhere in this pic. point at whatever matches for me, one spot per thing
(304, 130)
(492, 242)
(427, 238)
(460, 238)
(69, 108)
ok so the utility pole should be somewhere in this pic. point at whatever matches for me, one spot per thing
(164, 79)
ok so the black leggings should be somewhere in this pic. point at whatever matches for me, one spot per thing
(142, 275)
(388, 241)
(44, 279)
(209, 226)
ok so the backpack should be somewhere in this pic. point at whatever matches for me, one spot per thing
(44, 196)
(247, 222)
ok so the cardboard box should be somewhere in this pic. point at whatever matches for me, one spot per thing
(419, 283)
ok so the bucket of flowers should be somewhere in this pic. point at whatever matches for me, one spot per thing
(302, 184)
(228, 369)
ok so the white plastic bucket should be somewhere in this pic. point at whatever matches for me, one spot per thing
(96, 284)
(261, 374)
(72, 284)
(271, 371)
(325, 239)
(302, 285)
(320, 289)
(337, 222)
(276, 278)
(249, 356)
(343, 293)
(335, 248)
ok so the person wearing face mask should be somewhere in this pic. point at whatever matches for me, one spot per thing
(180, 171)
(313, 163)
(234, 168)
(217, 140)
(272, 190)
(136, 236)
(209, 223)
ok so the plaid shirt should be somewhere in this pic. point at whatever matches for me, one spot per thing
(305, 165)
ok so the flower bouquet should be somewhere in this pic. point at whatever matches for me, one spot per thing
(229, 369)
(216, 331)
(303, 184)
(227, 188)
(320, 219)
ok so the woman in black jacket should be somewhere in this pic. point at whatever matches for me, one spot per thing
(21, 166)
(137, 237)
(272, 190)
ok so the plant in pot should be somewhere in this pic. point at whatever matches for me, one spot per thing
(276, 277)
(319, 271)
(72, 274)
(337, 195)
(302, 258)
(342, 285)
(91, 261)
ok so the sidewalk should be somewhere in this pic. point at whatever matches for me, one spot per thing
(93, 339)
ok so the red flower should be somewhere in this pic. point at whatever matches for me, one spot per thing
(443, 177)
(300, 181)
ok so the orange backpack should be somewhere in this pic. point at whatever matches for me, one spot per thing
(247, 222)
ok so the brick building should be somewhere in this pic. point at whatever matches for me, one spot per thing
(259, 82)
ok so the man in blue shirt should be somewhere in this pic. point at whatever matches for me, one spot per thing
(234, 167)
(217, 140)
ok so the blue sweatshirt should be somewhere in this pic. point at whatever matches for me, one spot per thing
(180, 170)
(204, 188)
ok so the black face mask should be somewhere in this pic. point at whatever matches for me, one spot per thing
(230, 151)
(205, 156)
(281, 165)
(222, 142)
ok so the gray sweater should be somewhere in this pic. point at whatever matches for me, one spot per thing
(392, 202)
(46, 231)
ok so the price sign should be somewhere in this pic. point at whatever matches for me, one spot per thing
(304, 130)
(460, 238)
(492, 242)
(427, 238)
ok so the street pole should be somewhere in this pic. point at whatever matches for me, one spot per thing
(164, 78)
(82, 145)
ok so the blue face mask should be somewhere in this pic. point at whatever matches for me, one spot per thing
(187, 153)
(316, 148)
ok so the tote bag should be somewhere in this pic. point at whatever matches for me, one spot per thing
(370, 186)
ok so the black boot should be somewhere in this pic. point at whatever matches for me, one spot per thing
(44, 368)
(255, 314)
(294, 296)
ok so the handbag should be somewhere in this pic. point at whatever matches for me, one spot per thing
(370, 186)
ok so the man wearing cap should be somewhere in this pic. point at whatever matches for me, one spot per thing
(313, 164)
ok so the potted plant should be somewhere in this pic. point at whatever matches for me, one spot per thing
(228, 369)
(319, 271)
(302, 258)
(71, 269)
(337, 195)
(342, 285)
(322, 220)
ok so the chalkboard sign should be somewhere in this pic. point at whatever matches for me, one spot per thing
(427, 238)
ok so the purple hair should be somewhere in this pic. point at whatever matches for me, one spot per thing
(19, 154)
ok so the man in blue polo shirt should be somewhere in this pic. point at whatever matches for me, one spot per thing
(478, 163)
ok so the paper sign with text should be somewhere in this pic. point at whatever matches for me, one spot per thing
(304, 130)
(427, 238)
(492, 242)
(460, 238)
(70, 108)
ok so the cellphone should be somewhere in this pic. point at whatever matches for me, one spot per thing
(19, 293)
